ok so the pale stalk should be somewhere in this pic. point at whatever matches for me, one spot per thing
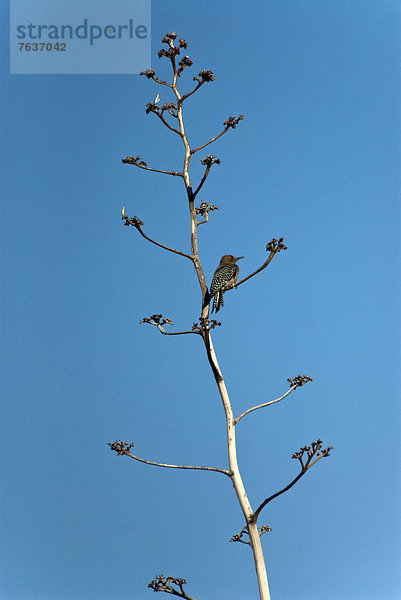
(187, 181)
(230, 421)
(236, 475)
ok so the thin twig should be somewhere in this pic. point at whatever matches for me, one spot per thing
(243, 542)
(143, 234)
(264, 529)
(123, 449)
(158, 321)
(237, 537)
(165, 122)
(311, 452)
(265, 264)
(289, 486)
(210, 141)
(185, 96)
(274, 247)
(161, 82)
(195, 468)
(150, 74)
(209, 161)
(206, 173)
(265, 404)
(164, 332)
(137, 223)
(131, 160)
(204, 210)
(173, 173)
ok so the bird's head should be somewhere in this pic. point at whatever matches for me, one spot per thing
(229, 259)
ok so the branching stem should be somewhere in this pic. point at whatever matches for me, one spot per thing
(205, 175)
(265, 404)
(265, 264)
(194, 468)
(210, 141)
(163, 120)
(204, 327)
(313, 453)
(196, 88)
(164, 332)
(233, 472)
(135, 222)
(161, 82)
(146, 168)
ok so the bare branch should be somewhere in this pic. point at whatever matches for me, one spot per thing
(264, 529)
(296, 382)
(231, 123)
(136, 160)
(312, 451)
(264, 404)
(163, 120)
(159, 321)
(204, 209)
(165, 584)
(123, 449)
(205, 175)
(196, 88)
(150, 74)
(209, 142)
(274, 247)
(209, 161)
(137, 223)
(170, 107)
(237, 537)
(203, 77)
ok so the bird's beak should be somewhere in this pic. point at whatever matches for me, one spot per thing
(239, 257)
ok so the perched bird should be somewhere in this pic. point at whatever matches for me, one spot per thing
(224, 278)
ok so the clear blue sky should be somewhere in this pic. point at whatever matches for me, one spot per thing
(315, 160)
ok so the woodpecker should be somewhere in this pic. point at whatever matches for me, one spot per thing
(224, 278)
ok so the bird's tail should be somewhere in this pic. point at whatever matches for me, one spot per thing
(218, 301)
